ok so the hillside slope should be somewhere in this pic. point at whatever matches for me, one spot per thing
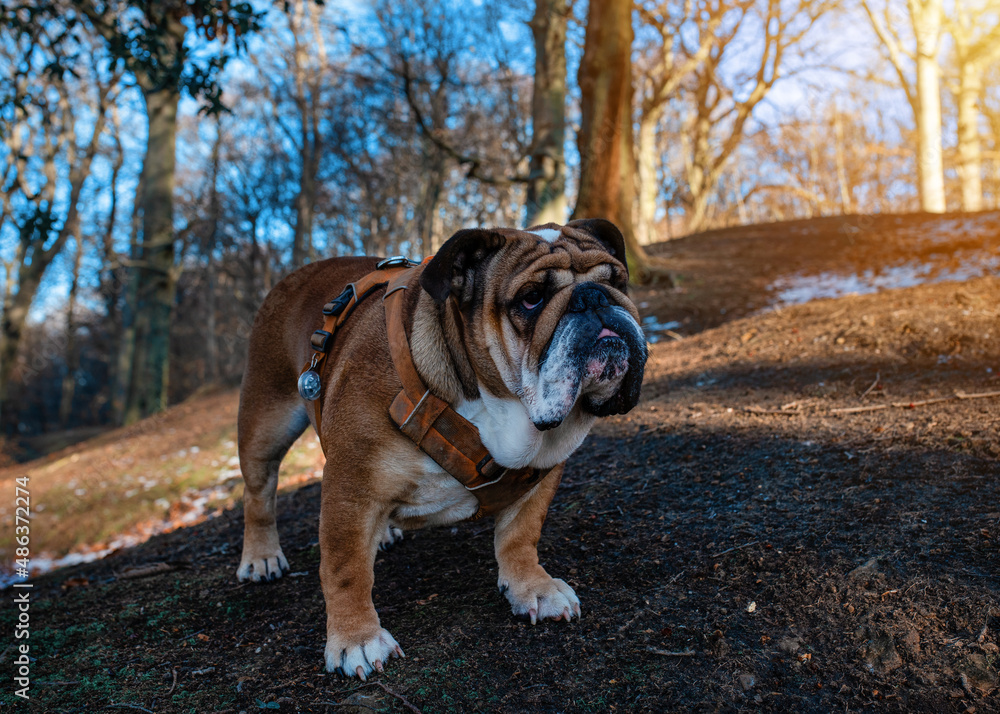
(802, 514)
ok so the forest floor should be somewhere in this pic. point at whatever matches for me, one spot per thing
(802, 514)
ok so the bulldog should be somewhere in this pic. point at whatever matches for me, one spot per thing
(529, 335)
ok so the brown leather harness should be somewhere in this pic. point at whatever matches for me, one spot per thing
(438, 430)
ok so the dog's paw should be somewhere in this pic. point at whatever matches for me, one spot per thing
(391, 536)
(261, 565)
(540, 598)
(359, 659)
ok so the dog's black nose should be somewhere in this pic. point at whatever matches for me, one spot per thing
(588, 296)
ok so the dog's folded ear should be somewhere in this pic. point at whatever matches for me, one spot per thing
(452, 268)
(607, 233)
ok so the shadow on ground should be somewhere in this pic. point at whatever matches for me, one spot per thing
(719, 571)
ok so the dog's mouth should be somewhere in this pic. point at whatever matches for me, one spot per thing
(589, 359)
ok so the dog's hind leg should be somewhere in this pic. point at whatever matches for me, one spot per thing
(269, 423)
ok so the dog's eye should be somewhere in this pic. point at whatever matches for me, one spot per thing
(533, 299)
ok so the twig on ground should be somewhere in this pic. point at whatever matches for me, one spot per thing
(888, 592)
(403, 700)
(186, 637)
(858, 410)
(874, 384)
(174, 685)
(977, 395)
(786, 410)
(919, 403)
(761, 410)
(634, 618)
(54, 683)
(128, 706)
(665, 653)
(738, 547)
(145, 571)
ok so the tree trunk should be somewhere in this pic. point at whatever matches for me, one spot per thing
(607, 163)
(72, 355)
(846, 205)
(214, 208)
(126, 333)
(698, 166)
(969, 153)
(698, 210)
(116, 280)
(546, 199)
(430, 199)
(304, 203)
(15, 315)
(926, 16)
(648, 183)
(155, 294)
(310, 146)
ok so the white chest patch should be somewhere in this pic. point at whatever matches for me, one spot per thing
(506, 431)
(511, 438)
(547, 234)
(439, 498)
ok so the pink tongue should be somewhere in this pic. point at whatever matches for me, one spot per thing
(608, 333)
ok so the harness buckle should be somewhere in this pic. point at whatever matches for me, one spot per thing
(337, 305)
(488, 468)
(394, 261)
(320, 341)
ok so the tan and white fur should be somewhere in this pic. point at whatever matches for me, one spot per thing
(528, 334)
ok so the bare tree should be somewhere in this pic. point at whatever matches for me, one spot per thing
(925, 19)
(607, 162)
(546, 199)
(51, 130)
(685, 34)
(975, 46)
(70, 342)
(721, 107)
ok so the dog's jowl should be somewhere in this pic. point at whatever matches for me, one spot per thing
(447, 391)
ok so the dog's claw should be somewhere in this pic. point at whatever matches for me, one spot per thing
(533, 616)
(378, 665)
(361, 673)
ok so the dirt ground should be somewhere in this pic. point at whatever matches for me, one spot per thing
(801, 515)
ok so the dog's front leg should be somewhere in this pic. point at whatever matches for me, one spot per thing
(532, 592)
(350, 530)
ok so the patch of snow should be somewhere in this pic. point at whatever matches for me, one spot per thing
(192, 507)
(947, 230)
(654, 330)
(801, 288)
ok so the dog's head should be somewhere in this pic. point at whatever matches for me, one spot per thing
(544, 316)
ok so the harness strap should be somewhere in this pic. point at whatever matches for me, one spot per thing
(336, 313)
(450, 439)
(439, 431)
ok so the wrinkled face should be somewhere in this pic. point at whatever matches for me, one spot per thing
(548, 316)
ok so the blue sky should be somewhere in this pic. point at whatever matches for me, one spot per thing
(844, 44)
